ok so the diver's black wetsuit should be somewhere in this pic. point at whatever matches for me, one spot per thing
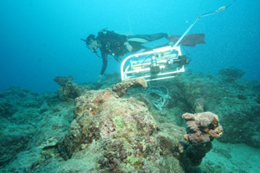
(114, 44)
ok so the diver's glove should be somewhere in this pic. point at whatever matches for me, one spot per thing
(99, 78)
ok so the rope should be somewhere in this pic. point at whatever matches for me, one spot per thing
(160, 96)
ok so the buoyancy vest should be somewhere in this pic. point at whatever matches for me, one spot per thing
(112, 43)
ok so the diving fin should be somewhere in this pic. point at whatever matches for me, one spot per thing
(189, 40)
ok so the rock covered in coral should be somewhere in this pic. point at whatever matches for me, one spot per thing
(193, 154)
(169, 139)
(63, 80)
(121, 88)
(202, 127)
(123, 126)
(247, 121)
(127, 135)
(36, 151)
(230, 74)
(40, 147)
(108, 134)
(22, 119)
(221, 97)
(68, 88)
(71, 90)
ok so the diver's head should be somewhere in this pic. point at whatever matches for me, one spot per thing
(92, 43)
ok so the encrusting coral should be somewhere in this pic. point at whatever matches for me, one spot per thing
(202, 129)
(123, 126)
(121, 88)
(63, 80)
(128, 136)
(114, 134)
(68, 88)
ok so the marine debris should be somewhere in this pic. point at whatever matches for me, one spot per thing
(160, 96)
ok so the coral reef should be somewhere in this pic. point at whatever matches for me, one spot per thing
(129, 134)
(63, 80)
(121, 88)
(68, 88)
(230, 74)
(124, 128)
(70, 91)
(99, 131)
(21, 121)
(235, 103)
(202, 129)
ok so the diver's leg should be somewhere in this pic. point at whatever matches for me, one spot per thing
(138, 47)
(146, 38)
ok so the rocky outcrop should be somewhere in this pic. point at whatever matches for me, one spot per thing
(129, 138)
(234, 101)
(69, 89)
(202, 129)
(63, 80)
(105, 132)
(230, 74)
(21, 111)
(121, 88)
(124, 127)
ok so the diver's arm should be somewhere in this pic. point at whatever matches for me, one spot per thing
(104, 60)
(104, 66)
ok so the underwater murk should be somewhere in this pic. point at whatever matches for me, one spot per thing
(205, 124)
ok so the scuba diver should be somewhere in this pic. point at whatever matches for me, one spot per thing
(111, 43)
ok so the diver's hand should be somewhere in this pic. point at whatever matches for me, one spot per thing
(99, 78)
